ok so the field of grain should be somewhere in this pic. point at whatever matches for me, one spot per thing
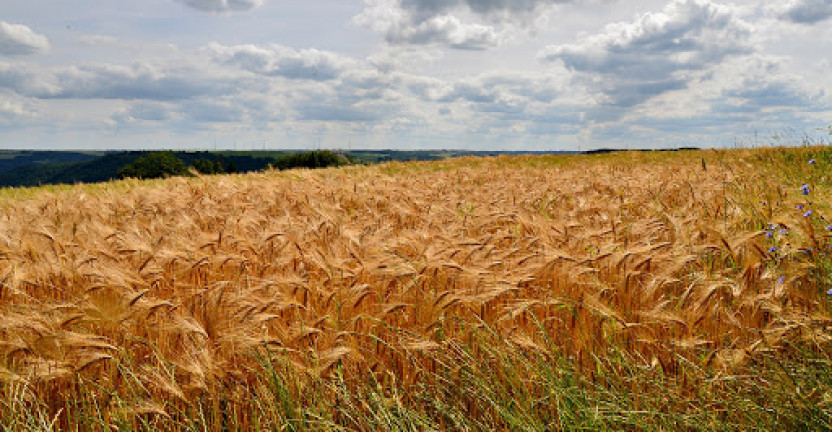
(628, 291)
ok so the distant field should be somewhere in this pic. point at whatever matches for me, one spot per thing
(624, 291)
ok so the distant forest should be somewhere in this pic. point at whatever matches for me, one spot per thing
(34, 168)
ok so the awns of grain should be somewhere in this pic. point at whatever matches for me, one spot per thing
(166, 295)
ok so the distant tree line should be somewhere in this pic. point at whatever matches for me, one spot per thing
(312, 159)
(33, 168)
(167, 164)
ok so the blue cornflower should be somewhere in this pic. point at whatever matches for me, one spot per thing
(799, 206)
(772, 249)
(805, 189)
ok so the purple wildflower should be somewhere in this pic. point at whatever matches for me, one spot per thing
(807, 214)
(769, 233)
(782, 279)
(772, 249)
(799, 207)
(829, 227)
(811, 161)
(829, 292)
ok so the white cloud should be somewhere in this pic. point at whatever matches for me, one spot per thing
(18, 39)
(278, 60)
(222, 5)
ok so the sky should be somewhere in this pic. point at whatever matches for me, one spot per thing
(413, 74)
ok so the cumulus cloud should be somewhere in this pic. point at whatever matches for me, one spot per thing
(494, 10)
(632, 62)
(278, 60)
(442, 22)
(222, 5)
(14, 107)
(17, 39)
(807, 11)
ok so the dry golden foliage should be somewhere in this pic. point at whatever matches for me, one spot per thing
(359, 266)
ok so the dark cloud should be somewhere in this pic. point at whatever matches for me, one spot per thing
(139, 81)
(343, 102)
(438, 22)
(658, 52)
(14, 108)
(488, 89)
(17, 78)
(145, 111)
(335, 113)
(808, 11)
(401, 26)
(687, 35)
(495, 9)
(17, 39)
(630, 94)
(764, 95)
(222, 5)
(203, 111)
(105, 81)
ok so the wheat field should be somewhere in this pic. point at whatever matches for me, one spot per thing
(507, 293)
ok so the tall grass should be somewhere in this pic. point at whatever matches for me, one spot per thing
(633, 291)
